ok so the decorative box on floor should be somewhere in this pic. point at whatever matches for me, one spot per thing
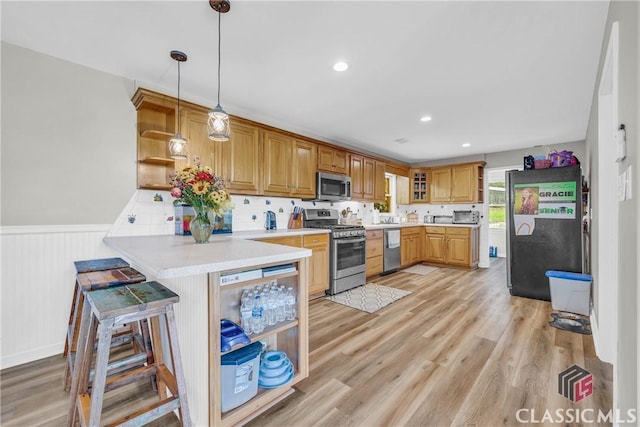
(239, 376)
(570, 291)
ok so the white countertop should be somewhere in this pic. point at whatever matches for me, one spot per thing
(171, 256)
(415, 224)
(282, 232)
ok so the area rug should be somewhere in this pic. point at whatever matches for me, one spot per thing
(370, 297)
(423, 270)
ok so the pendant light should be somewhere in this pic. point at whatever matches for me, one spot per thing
(218, 122)
(177, 144)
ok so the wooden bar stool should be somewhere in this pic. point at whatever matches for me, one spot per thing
(101, 274)
(104, 310)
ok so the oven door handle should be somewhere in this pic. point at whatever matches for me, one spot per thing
(350, 240)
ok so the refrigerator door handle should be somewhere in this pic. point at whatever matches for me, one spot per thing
(507, 220)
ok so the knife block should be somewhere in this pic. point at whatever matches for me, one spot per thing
(293, 222)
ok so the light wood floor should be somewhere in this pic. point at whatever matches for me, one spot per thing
(458, 351)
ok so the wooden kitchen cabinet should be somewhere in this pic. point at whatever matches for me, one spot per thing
(289, 165)
(435, 244)
(375, 251)
(332, 160)
(367, 178)
(419, 186)
(410, 245)
(452, 246)
(319, 261)
(156, 125)
(458, 183)
(240, 158)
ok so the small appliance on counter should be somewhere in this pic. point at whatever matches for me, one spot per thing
(466, 217)
(270, 221)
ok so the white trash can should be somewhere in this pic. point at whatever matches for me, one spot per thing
(570, 291)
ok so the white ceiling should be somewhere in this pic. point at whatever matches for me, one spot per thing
(499, 75)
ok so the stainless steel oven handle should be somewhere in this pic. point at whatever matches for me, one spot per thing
(349, 240)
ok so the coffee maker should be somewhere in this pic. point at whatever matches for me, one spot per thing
(270, 221)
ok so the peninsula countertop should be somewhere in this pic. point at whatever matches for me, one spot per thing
(171, 256)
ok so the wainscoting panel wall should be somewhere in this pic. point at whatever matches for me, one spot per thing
(37, 278)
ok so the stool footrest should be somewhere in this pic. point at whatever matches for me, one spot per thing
(148, 414)
(130, 376)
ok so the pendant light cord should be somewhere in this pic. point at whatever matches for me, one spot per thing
(178, 97)
(219, 36)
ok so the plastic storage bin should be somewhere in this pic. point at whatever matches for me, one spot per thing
(239, 376)
(570, 291)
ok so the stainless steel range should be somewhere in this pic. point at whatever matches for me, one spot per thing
(347, 249)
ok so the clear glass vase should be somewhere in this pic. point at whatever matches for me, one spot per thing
(201, 229)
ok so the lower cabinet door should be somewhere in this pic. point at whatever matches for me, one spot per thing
(435, 248)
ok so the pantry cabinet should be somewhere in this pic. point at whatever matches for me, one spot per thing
(375, 248)
(461, 183)
(410, 245)
(452, 246)
(289, 165)
(332, 160)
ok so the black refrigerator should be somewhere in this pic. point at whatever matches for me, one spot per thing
(544, 226)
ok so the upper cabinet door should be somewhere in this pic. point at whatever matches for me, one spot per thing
(277, 163)
(441, 185)
(241, 159)
(303, 168)
(464, 182)
(380, 187)
(199, 146)
(332, 160)
(356, 168)
(368, 178)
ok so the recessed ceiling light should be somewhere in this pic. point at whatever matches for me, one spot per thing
(466, 144)
(340, 66)
(425, 118)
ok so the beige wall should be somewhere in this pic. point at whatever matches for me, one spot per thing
(68, 141)
(626, 13)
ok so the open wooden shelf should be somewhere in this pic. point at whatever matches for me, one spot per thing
(158, 161)
(156, 134)
(149, 186)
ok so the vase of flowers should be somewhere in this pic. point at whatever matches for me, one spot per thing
(201, 189)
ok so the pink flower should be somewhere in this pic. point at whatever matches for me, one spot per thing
(176, 192)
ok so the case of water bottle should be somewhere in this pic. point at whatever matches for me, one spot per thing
(266, 305)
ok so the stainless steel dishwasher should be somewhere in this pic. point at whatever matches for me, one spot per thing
(391, 250)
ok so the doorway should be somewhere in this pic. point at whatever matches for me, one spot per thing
(497, 211)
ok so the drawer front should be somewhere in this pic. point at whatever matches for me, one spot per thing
(374, 234)
(459, 231)
(315, 239)
(435, 230)
(374, 248)
(374, 266)
(407, 231)
(287, 241)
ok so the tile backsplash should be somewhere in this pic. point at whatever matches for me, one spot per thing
(152, 212)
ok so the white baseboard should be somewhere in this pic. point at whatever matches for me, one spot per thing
(31, 355)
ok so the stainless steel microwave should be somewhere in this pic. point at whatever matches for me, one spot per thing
(333, 187)
(466, 217)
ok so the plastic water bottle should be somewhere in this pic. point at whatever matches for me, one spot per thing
(257, 315)
(270, 306)
(290, 304)
(246, 313)
(280, 317)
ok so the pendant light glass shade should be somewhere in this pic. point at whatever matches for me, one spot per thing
(218, 124)
(177, 144)
(178, 147)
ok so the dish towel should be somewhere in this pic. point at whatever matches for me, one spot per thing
(393, 239)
